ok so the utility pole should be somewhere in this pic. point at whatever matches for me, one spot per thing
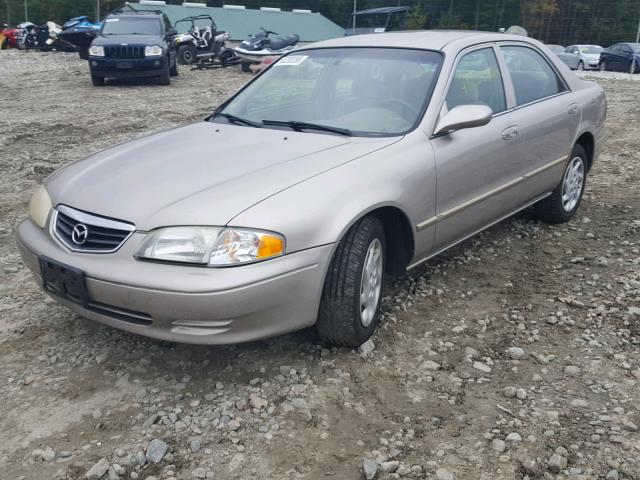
(26, 11)
(355, 9)
(97, 10)
(8, 12)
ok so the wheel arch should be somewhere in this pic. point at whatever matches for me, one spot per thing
(587, 141)
(399, 237)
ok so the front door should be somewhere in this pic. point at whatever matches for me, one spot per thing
(473, 167)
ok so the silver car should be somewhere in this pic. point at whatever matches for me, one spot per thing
(345, 161)
(582, 57)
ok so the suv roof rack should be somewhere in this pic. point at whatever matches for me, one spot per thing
(127, 8)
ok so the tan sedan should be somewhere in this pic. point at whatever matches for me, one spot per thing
(343, 162)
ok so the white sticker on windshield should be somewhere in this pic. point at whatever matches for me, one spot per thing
(293, 60)
(109, 20)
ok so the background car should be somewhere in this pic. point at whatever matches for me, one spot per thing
(621, 57)
(561, 52)
(587, 56)
(8, 37)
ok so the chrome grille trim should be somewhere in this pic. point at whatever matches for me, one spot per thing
(104, 235)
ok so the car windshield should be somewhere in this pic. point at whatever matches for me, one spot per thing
(354, 91)
(636, 47)
(556, 48)
(132, 26)
(590, 49)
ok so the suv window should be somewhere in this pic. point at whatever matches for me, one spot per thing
(531, 74)
(477, 81)
(132, 26)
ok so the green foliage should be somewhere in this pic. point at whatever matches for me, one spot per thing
(417, 19)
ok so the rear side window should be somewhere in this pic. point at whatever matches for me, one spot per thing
(477, 81)
(531, 75)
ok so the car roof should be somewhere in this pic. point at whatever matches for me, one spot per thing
(427, 40)
(147, 14)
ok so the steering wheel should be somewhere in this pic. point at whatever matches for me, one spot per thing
(268, 32)
(400, 107)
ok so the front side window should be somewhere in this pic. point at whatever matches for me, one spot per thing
(477, 81)
(531, 75)
(365, 91)
(132, 26)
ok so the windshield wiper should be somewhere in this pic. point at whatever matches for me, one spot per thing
(239, 120)
(299, 126)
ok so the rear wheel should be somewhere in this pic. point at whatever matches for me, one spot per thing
(348, 313)
(565, 199)
(186, 54)
(603, 66)
(97, 81)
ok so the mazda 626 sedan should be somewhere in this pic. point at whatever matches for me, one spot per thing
(343, 162)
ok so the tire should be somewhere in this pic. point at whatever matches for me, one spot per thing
(246, 66)
(186, 54)
(173, 71)
(603, 66)
(97, 81)
(580, 65)
(165, 76)
(83, 53)
(562, 204)
(342, 319)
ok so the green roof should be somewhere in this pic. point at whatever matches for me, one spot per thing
(240, 23)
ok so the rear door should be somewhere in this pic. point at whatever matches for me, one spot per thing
(547, 115)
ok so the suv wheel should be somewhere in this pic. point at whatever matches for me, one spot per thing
(165, 76)
(97, 81)
(174, 68)
(563, 202)
(348, 313)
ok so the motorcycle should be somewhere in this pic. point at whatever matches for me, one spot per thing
(24, 29)
(261, 45)
(45, 37)
(204, 46)
(80, 32)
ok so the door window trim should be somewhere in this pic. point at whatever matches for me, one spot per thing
(546, 59)
(452, 71)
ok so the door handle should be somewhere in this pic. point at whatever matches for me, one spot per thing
(573, 109)
(510, 134)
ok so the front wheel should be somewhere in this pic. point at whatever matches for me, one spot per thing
(97, 81)
(581, 65)
(348, 313)
(165, 76)
(173, 71)
(603, 66)
(565, 199)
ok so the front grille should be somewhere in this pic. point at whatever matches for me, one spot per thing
(126, 52)
(84, 232)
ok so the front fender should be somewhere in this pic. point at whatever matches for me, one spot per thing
(321, 209)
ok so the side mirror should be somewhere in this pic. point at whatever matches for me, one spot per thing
(464, 116)
(171, 32)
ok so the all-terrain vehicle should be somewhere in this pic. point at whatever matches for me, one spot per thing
(203, 44)
(134, 44)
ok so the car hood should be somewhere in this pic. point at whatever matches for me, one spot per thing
(201, 174)
(127, 40)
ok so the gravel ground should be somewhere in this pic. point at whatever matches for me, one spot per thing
(513, 356)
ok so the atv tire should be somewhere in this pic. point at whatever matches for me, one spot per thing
(186, 54)
(246, 66)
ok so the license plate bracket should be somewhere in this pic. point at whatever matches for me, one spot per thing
(64, 281)
(124, 64)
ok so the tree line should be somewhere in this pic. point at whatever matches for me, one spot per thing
(562, 22)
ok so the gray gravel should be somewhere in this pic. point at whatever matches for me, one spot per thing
(512, 356)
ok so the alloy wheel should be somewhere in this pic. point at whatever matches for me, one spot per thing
(371, 282)
(572, 184)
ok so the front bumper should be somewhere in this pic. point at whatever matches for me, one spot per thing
(189, 304)
(115, 68)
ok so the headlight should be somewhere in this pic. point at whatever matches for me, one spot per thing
(213, 246)
(96, 51)
(152, 51)
(40, 206)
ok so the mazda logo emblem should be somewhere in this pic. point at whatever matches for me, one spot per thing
(79, 234)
